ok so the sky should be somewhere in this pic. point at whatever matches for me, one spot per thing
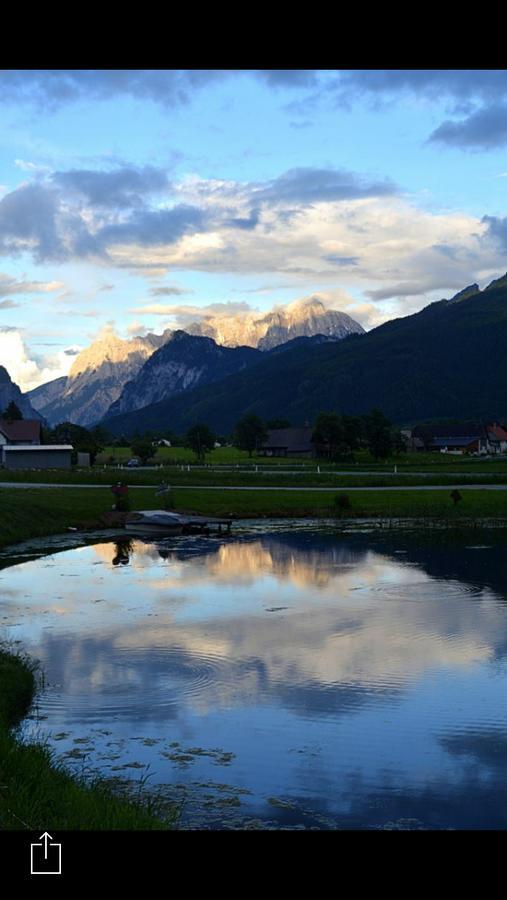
(137, 200)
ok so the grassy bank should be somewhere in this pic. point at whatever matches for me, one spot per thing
(367, 504)
(36, 793)
(33, 513)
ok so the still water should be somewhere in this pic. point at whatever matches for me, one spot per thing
(288, 676)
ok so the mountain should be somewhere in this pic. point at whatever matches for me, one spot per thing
(303, 318)
(183, 362)
(448, 360)
(41, 397)
(96, 379)
(101, 371)
(10, 391)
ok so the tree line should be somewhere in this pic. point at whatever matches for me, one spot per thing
(334, 436)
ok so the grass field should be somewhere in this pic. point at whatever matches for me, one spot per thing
(34, 513)
(362, 459)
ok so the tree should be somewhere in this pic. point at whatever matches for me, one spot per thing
(399, 445)
(81, 439)
(332, 436)
(199, 439)
(250, 432)
(12, 413)
(377, 430)
(143, 448)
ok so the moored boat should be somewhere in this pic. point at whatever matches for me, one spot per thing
(163, 522)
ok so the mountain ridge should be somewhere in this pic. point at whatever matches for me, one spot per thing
(445, 360)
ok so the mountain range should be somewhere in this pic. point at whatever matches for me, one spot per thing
(303, 318)
(448, 360)
(109, 376)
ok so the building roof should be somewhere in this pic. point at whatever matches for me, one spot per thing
(497, 433)
(13, 448)
(455, 441)
(21, 430)
(293, 439)
(471, 430)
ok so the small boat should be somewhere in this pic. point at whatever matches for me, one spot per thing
(160, 521)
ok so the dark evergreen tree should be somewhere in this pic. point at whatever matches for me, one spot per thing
(377, 429)
(200, 439)
(12, 413)
(250, 433)
(81, 439)
(143, 448)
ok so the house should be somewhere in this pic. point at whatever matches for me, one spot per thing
(465, 437)
(22, 431)
(20, 447)
(411, 441)
(288, 442)
(36, 456)
(497, 437)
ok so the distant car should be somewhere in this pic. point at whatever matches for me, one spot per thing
(132, 463)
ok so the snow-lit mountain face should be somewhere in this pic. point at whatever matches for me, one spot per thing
(96, 379)
(9, 390)
(101, 371)
(304, 318)
(183, 362)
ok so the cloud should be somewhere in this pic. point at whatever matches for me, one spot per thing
(309, 185)
(190, 313)
(83, 213)
(27, 369)
(137, 329)
(8, 304)
(172, 291)
(52, 89)
(28, 221)
(460, 84)
(497, 228)
(119, 188)
(484, 129)
(9, 285)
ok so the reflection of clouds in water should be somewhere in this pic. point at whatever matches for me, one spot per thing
(350, 625)
(331, 647)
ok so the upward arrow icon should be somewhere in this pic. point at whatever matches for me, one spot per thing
(45, 836)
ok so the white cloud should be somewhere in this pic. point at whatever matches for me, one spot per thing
(27, 369)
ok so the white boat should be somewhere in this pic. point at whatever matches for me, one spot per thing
(160, 521)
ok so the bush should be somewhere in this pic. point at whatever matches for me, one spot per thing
(341, 503)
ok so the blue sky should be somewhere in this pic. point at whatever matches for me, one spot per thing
(132, 200)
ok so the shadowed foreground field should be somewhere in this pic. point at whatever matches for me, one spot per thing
(39, 512)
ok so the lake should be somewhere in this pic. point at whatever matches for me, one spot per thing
(292, 675)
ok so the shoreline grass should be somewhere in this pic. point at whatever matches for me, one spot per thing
(32, 513)
(37, 793)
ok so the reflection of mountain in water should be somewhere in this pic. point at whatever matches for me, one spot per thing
(301, 559)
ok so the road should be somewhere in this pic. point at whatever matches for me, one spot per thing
(228, 487)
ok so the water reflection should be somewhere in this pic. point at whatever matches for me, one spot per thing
(326, 679)
(123, 549)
